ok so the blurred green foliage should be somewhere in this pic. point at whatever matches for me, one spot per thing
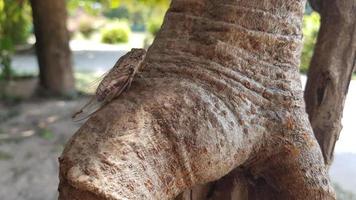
(136, 12)
(121, 12)
(15, 28)
(154, 25)
(311, 25)
(6, 51)
(15, 20)
(86, 28)
(97, 6)
(116, 32)
(134, 15)
(93, 7)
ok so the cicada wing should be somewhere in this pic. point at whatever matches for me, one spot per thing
(114, 84)
(87, 110)
(118, 89)
(90, 87)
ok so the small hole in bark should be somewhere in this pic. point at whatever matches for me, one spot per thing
(245, 130)
(325, 181)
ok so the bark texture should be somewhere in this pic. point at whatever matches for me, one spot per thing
(220, 94)
(330, 72)
(228, 191)
(52, 46)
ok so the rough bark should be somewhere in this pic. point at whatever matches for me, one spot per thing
(221, 94)
(330, 72)
(52, 46)
(228, 191)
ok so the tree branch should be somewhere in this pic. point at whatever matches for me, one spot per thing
(330, 72)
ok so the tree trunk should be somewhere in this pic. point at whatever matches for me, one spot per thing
(315, 4)
(330, 72)
(334, 64)
(52, 46)
(221, 94)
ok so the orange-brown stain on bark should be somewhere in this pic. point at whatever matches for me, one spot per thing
(149, 185)
(290, 123)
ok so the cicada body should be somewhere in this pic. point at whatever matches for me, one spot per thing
(117, 80)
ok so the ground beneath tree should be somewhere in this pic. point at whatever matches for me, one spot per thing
(32, 136)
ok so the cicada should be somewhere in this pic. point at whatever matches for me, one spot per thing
(116, 81)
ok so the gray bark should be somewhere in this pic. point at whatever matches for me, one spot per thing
(330, 72)
(221, 94)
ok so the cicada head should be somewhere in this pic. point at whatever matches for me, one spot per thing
(137, 54)
(133, 58)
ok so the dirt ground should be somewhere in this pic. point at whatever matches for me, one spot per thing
(32, 136)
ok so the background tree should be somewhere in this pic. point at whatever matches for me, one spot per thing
(14, 30)
(329, 76)
(330, 71)
(221, 93)
(52, 46)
